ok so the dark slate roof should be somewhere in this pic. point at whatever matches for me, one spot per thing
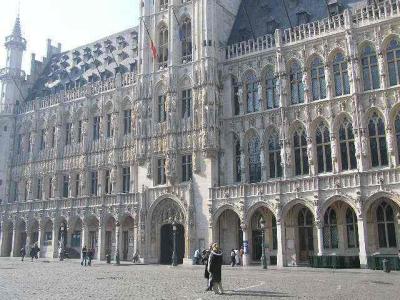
(101, 60)
(264, 16)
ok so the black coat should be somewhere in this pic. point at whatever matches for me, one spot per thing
(205, 258)
(215, 265)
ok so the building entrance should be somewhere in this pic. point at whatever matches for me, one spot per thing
(167, 243)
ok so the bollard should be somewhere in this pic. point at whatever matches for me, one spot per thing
(385, 266)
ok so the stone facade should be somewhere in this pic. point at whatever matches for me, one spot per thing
(299, 128)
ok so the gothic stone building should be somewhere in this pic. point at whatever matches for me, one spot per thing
(280, 116)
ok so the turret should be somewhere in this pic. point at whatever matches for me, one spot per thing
(12, 76)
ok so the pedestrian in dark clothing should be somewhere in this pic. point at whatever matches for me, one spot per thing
(206, 256)
(36, 251)
(233, 259)
(84, 256)
(214, 268)
(32, 253)
(22, 252)
(90, 256)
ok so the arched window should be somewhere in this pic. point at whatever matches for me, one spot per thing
(397, 129)
(330, 230)
(300, 152)
(163, 46)
(347, 147)
(352, 229)
(393, 61)
(340, 75)
(306, 236)
(253, 101)
(324, 157)
(274, 156)
(185, 35)
(270, 88)
(254, 151)
(162, 114)
(163, 4)
(236, 104)
(318, 83)
(370, 70)
(386, 227)
(237, 164)
(377, 141)
(296, 84)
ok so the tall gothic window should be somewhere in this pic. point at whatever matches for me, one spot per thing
(126, 179)
(161, 179)
(42, 139)
(386, 228)
(377, 141)
(93, 183)
(163, 4)
(331, 240)
(185, 36)
(68, 134)
(162, 114)
(127, 121)
(79, 133)
(236, 104)
(186, 168)
(323, 141)
(39, 189)
(270, 88)
(347, 147)
(370, 70)
(107, 183)
(108, 126)
(300, 152)
(274, 156)
(352, 229)
(186, 103)
(341, 75)
(237, 164)
(296, 84)
(254, 152)
(318, 83)
(65, 186)
(393, 61)
(163, 46)
(96, 128)
(397, 129)
(253, 101)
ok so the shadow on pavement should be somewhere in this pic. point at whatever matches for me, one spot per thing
(257, 293)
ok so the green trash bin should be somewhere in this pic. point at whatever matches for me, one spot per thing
(386, 265)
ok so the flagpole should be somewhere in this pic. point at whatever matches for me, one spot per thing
(153, 49)
(248, 19)
(287, 14)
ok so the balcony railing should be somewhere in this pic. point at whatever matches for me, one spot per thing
(77, 93)
(373, 12)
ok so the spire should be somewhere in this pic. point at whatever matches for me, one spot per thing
(17, 27)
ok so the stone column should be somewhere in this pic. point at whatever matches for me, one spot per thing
(101, 241)
(56, 226)
(363, 241)
(135, 236)
(14, 250)
(28, 238)
(40, 237)
(246, 258)
(84, 235)
(280, 253)
(1, 238)
(320, 235)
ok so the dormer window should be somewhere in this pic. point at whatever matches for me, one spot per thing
(163, 5)
(271, 26)
(333, 7)
(303, 17)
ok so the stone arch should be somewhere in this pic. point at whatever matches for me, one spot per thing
(365, 44)
(368, 114)
(387, 39)
(335, 51)
(255, 207)
(293, 61)
(246, 75)
(315, 123)
(312, 58)
(128, 236)
(289, 205)
(394, 197)
(337, 121)
(331, 200)
(297, 124)
(221, 209)
(162, 213)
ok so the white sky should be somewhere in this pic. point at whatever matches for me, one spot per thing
(70, 22)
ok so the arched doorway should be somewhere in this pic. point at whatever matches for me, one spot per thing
(227, 233)
(7, 238)
(165, 213)
(270, 234)
(127, 238)
(300, 235)
(167, 243)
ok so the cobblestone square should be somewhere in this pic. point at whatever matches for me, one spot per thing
(48, 279)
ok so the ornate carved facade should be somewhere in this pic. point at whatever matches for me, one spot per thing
(299, 127)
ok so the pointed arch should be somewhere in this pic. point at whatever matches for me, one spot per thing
(369, 65)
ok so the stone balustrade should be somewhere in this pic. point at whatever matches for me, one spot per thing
(349, 18)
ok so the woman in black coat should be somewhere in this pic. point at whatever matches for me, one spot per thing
(214, 268)
(206, 256)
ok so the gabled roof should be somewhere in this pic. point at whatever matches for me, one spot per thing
(260, 17)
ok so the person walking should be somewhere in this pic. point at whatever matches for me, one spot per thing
(22, 252)
(233, 259)
(237, 259)
(214, 268)
(84, 256)
(136, 257)
(196, 257)
(90, 256)
(241, 252)
(206, 256)
(32, 253)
